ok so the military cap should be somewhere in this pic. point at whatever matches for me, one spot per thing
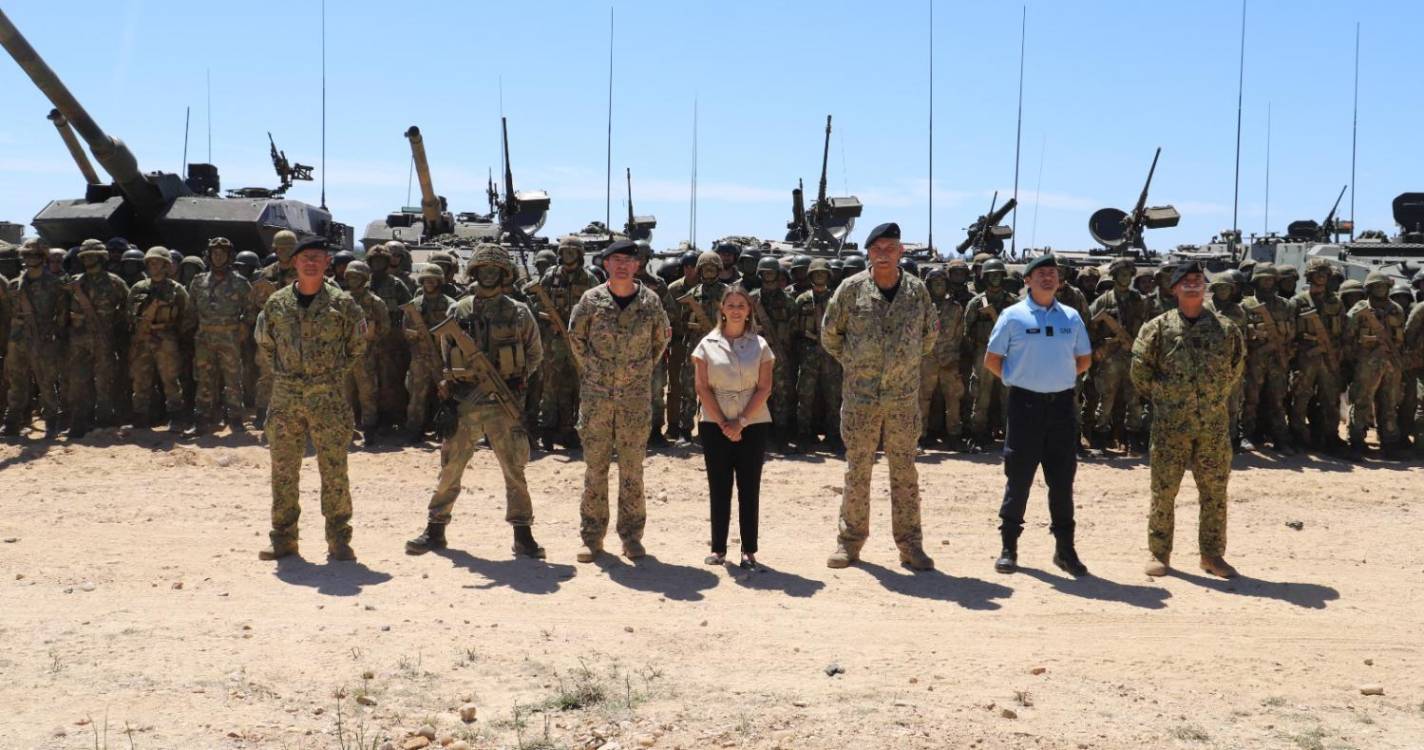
(620, 247)
(359, 268)
(1375, 278)
(1046, 260)
(709, 259)
(157, 252)
(888, 230)
(1183, 270)
(93, 247)
(315, 243)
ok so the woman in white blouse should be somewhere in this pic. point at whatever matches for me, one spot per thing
(733, 382)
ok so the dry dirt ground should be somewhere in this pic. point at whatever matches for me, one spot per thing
(134, 613)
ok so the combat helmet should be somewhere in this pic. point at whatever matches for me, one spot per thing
(1376, 278)
(1222, 279)
(219, 243)
(1317, 265)
(34, 248)
(709, 259)
(768, 263)
(247, 260)
(1263, 271)
(819, 264)
(358, 268)
(800, 261)
(546, 256)
(854, 264)
(284, 244)
(1401, 293)
(688, 258)
(909, 265)
(993, 265)
(489, 254)
(93, 247)
(157, 252)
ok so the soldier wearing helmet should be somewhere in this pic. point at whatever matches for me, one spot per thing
(310, 333)
(392, 352)
(1087, 283)
(39, 310)
(818, 378)
(543, 261)
(427, 309)
(1270, 338)
(747, 264)
(448, 266)
(729, 253)
(55, 262)
(338, 267)
(693, 315)
(116, 247)
(1224, 299)
(222, 304)
(264, 285)
(1318, 318)
(564, 284)
(776, 320)
(96, 316)
(1374, 340)
(159, 309)
(800, 267)
(940, 372)
(1163, 300)
(678, 350)
(979, 318)
(1403, 296)
(956, 274)
(362, 385)
(402, 265)
(245, 264)
(1113, 321)
(1288, 277)
(1414, 354)
(504, 332)
(189, 266)
(660, 373)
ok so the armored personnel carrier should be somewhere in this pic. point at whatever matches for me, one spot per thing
(10, 232)
(824, 228)
(1398, 257)
(155, 208)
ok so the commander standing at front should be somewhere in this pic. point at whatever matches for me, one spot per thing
(1038, 348)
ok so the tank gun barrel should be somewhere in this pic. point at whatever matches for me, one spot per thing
(508, 170)
(75, 150)
(429, 201)
(820, 207)
(110, 152)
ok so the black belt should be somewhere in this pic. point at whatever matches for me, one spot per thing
(1025, 393)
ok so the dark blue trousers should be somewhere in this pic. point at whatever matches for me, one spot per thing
(1042, 431)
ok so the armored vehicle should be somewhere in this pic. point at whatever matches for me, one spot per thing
(1398, 257)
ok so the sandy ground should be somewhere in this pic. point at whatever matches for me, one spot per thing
(130, 593)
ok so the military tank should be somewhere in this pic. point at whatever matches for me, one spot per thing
(1398, 257)
(823, 229)
(162, 208)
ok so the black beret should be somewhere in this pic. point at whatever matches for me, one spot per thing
(1047, 260)
(315, 243)
(889, 229)
(1182, 269)
(621, 247)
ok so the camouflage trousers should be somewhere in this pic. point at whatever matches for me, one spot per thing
(818, 393)
(1205, 448)
(1266, 383)
(659, 402)
(361, 389)
(28, 368)
(89, 390)
(533, 397)
(782, 401)
(1377, 382)
(511, 449)
(295, 412)
(677, 359)
(393, 359)
(863, 426)
(1408, 402)
(560, 406)
(687, 390)
(944, 380)
(607, 425)
(217, 366)
(156, 357)
(985, 387)
(420, 386)
(1114, 388)
(1315, 380)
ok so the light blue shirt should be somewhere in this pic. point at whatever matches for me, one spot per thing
(1040, 345)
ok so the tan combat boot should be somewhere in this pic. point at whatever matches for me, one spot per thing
(842, 557)
(1217, 566)
(916, 558)
(633, 549)
(1158, 566)
(589, 552)
(276, 551)
(340, 552)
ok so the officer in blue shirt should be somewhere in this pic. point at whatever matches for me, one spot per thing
(1039, 348)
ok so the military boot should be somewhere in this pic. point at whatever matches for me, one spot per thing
(237, 425)
(340, 552)
(11, 429)
(1098, 444)
(835, 444)
(1132, 440)
(176, 423)
(633, 549)
(1397, 451)
(1356, 451)
(1157, 566)
(915, 557)
(370, 436)
(525, 545)
(656, 439)
(1217, 566)
(589, 552)
(51, 429)
(842, 557)
(200, 426)
(546, 441)
(275, 551)
(1065, 556)
(432, 538)
(1008, 561)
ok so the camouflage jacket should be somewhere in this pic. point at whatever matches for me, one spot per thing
(1414, 338)
(221, 302)
(618, 348)
(1328, 310)
(433, 311)
(778, 325)
(107, 294)
(392, 291)
(1260, 340)
(159, 309)
(949, 343)
(810, 311)
(373, 310)
(1131, 312)
(878, 343)
(1232, 311)
(313, 345)
(39, 307)
(709, 298)
(979, 323)
(1362, 341)
(1160, 303)
(1188, 369)
(1073, 297)
(565, 289)
(268, 280)
(505, 330)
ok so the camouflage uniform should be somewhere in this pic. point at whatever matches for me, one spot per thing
(268, 281)
(39, 308)
(660, 373)
(1414, 352)
(505, 331)
(618, 349)
(1316, 376)
(776, 318)
(363, 382)
(93, 327)
(1378, 363)
(422, 376)
(1187, 370)
(708, 296)
(677, 360)
(1229, 283)
(1267, 365)
(222, 303)
(1112, 357)
(309, 350)
(392, 352)
(939, 372)
(819, 378)
(565, 284)
(879, 345)
(979, 319)
(158, 309)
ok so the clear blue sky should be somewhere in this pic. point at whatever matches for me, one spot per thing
(1106, 82)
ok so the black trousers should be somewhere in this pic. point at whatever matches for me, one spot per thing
(739, 463)
(1042, 431)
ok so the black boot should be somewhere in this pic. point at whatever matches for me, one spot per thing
(524, 543)
(656, 439)
(1356, 452)
(432, 538)
(1066, 558)
(546, 441)
(1008, 561)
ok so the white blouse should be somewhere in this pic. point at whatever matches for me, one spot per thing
(733, 369)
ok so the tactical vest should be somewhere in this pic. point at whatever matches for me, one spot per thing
(493, 325)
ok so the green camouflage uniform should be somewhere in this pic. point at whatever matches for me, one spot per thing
(939, 372)
(93, 357)
(778, 327)
(222, 302)
(819, 379)
(1414, 352)
(268, 281)
(660, 373)
(677, 355)
(362, 386)
(1112, 360)
(985, 387)
(879, 345)
(157, 312)
(392, 352)
(39, 307)
(422, 375)
(1187, 370)
(309, 350)
(1267, 380)
(617, 350)
(708, 296)
(560, 407)
(1316, 376)
(1234, 312)
(507, 334)
(1378, 368)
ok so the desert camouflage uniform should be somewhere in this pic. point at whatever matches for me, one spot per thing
(617, 349)
(1316, 376)
(678, 353)
(1267, 380)
(1378, 368)
(879, 345)
(93, 357)
(560, 407)
(268, 281)
(39, 306)
(309, 350)
(985, 387)
(1234, 312)
(422, 375)
(780, 334)
(158, 310)
(707, 295)
(819, 378)
(1112, 360)
(660, 373)
(362, 386)
(392, 352)
(939, 372)
(1187, 370)
(222, 303)
(1414, 352)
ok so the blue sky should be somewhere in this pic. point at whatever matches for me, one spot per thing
(1106, 82)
